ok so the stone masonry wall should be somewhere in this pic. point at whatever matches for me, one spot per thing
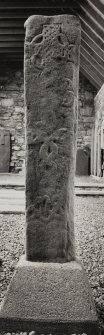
(12, 111)
(86, 114)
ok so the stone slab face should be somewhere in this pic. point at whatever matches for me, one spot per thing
(57, 299)
(83, 162)
(4, 150)
(51, 92)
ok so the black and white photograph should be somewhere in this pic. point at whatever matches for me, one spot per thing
(52, 167)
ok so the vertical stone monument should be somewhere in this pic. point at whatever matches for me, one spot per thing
(4, 150)
(51, 87)
(49, 292)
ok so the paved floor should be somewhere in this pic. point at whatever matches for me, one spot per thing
(12, 180)
(12, 191)
(12, 200)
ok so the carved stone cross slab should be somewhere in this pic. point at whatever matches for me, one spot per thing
(51, 88)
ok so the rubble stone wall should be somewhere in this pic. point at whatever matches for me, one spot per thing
(12, 113)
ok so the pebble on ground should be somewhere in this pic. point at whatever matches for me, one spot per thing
(89, 233)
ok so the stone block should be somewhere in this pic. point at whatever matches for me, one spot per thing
(7, 102)
(87, 139)
(81, 133)
(89, 119)
(12, 164)
(86, 111)
(21, 140)
(50, 298)
(19, 110)
(20, 153)
(15, 147)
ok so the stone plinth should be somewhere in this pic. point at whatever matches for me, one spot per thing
(51, 89)
(49, 298)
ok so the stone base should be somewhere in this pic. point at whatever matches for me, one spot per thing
(50, 298)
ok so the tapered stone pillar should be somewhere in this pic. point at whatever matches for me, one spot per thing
(51, 90)
(49, 292)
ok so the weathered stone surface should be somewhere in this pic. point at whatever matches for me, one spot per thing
(83, 162)
(56, 299)
(7, 102)
(4, 150)
(51, 90)
(98, 135)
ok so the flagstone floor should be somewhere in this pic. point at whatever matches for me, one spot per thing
(12, 191)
